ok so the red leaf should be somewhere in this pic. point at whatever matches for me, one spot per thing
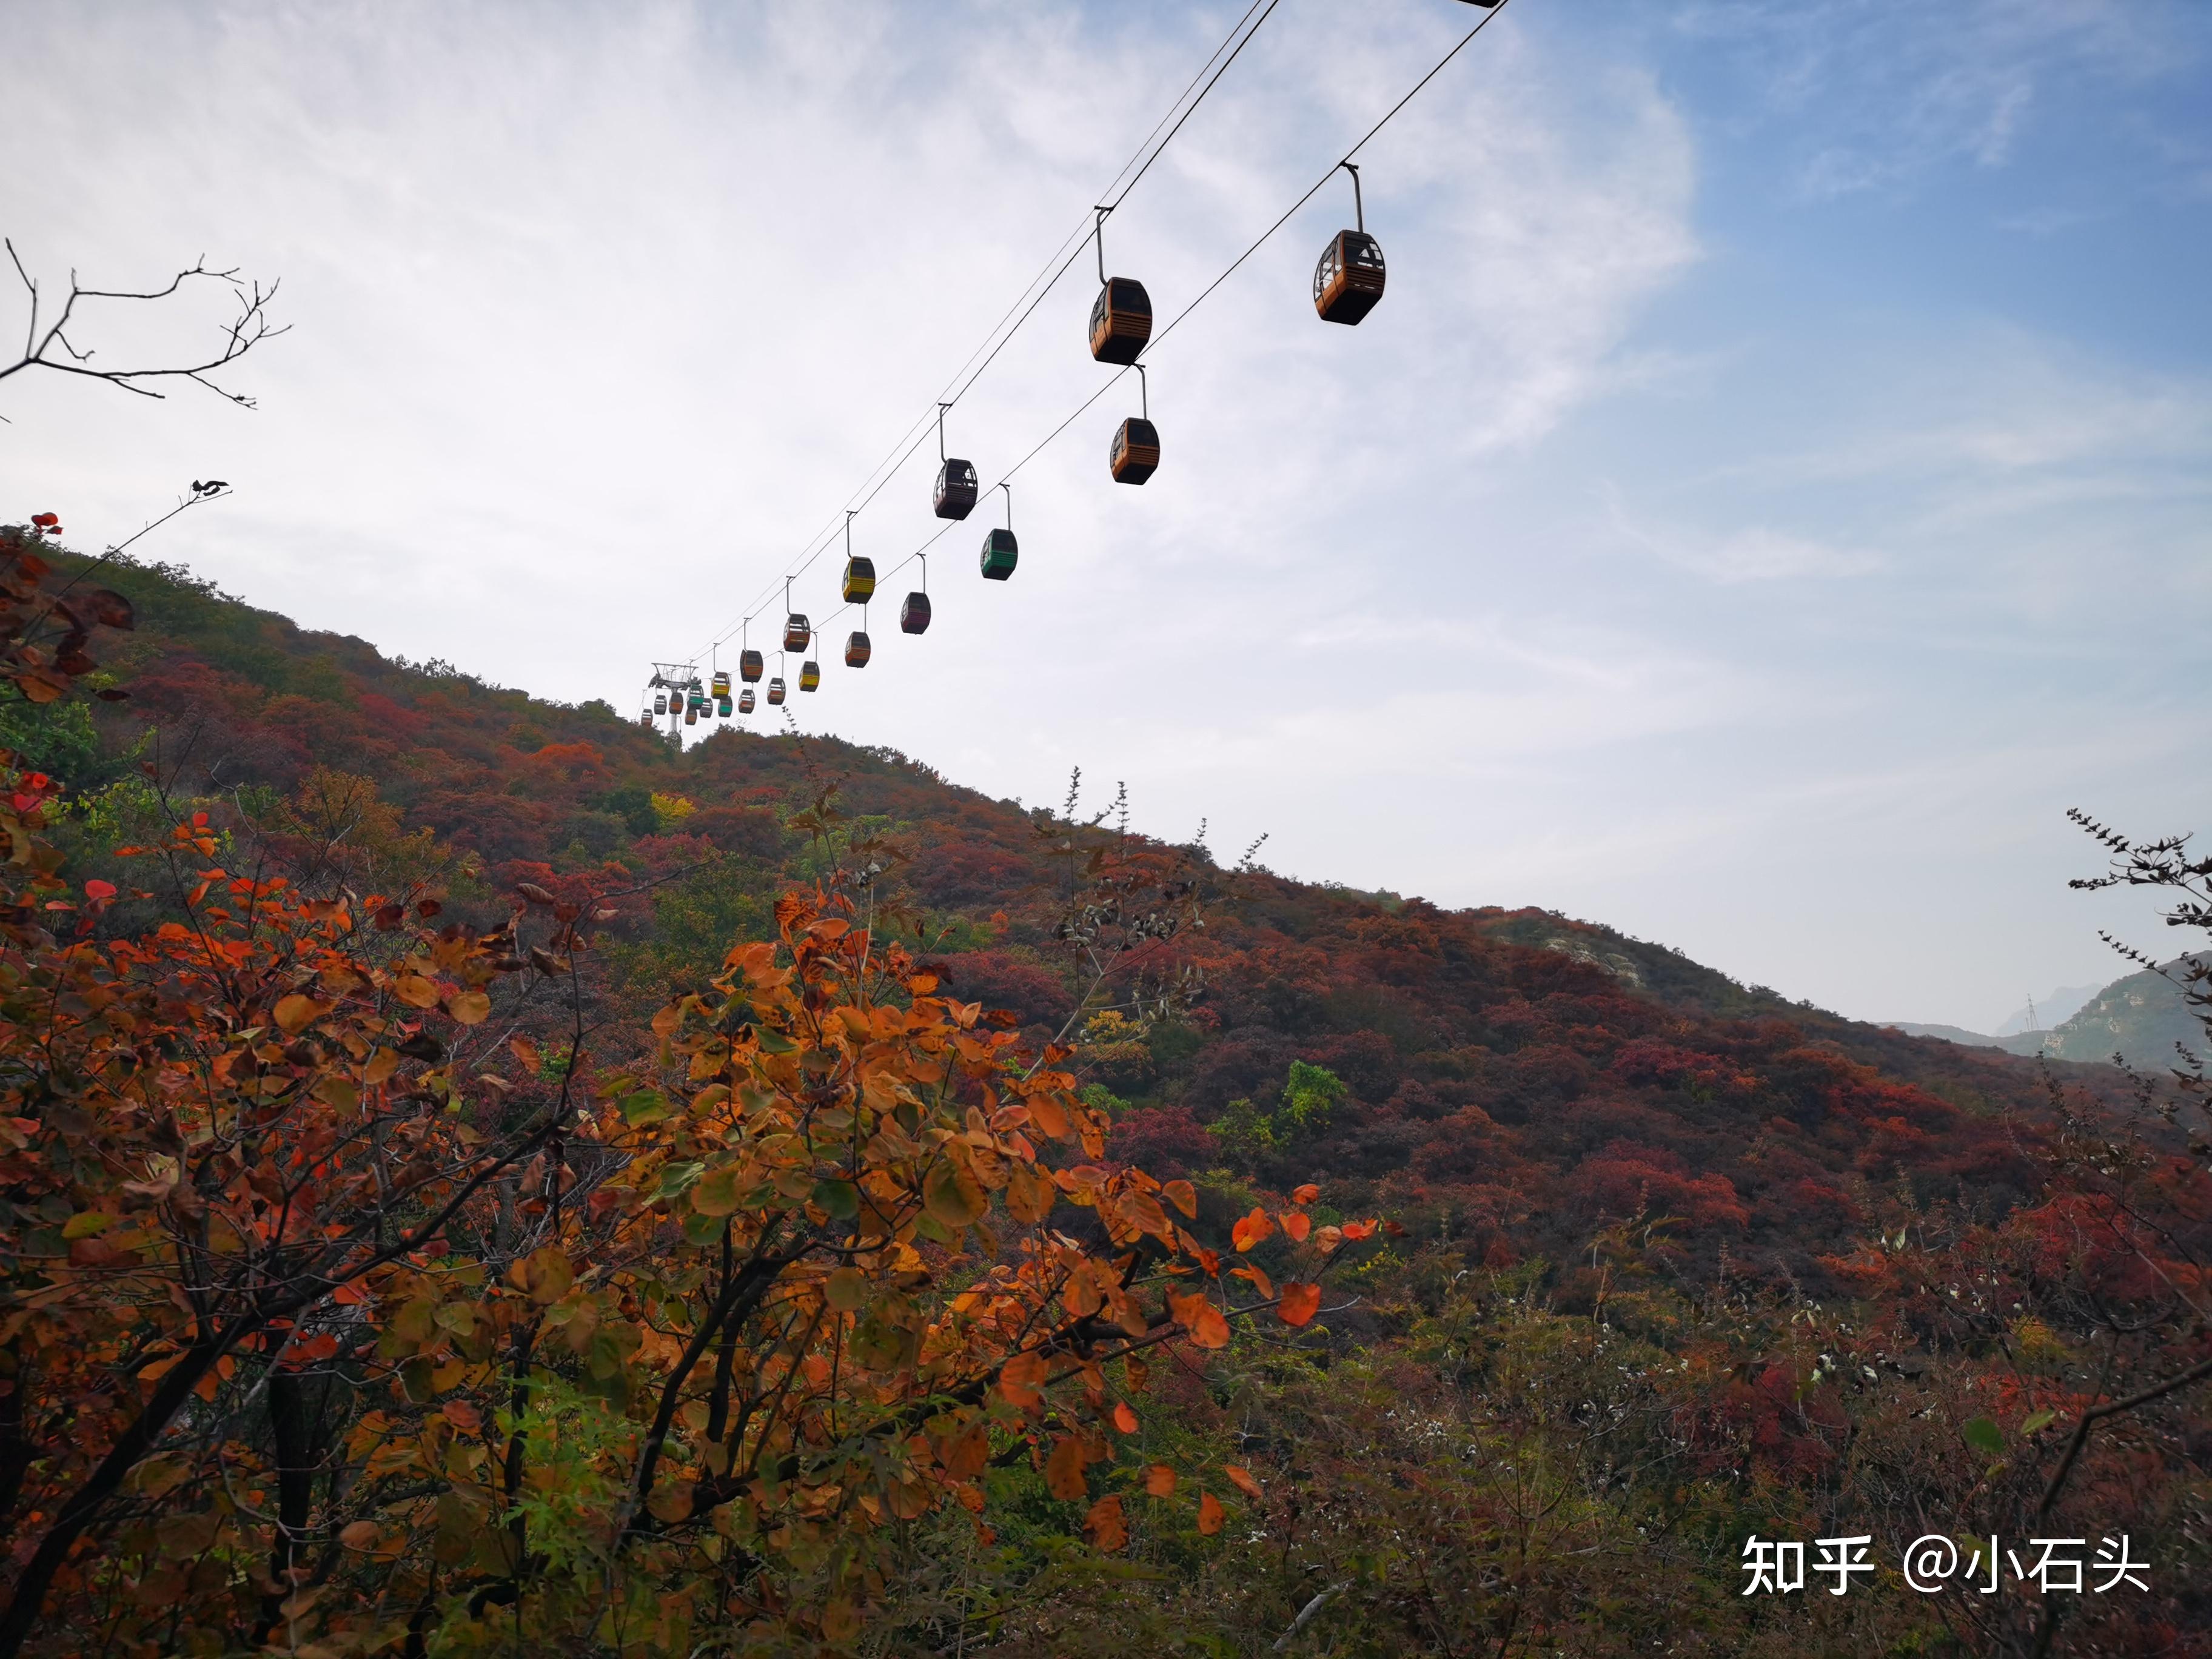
(1299, 1304)
(1243, 1481)
(96, 889)
(1305, 1194)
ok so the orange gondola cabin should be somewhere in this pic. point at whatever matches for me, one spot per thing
(749, 665)
(1348, 281)
(857, 649)
(1120, 320)
(1135, 455)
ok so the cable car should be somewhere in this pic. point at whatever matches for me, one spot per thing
(1135, 455)
(956, 478)
(660, 702)
(797, 631)
(645, 718)
(1000, 551)
(913, 615)
(776, 689)
(749, 665)
(722, 705)
(745, 701)
(955, 488)
(1348, 279)
(860, 581)
(857, 649)
(691, 715)
(1120, 320)
(721, 682)
(1121, 316)
(810, 675)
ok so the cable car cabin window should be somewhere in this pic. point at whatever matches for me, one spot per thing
(955, 489)
(857, 649)
(1121, 321)
(749, 665)
(797, 631)
(913, 615)
(1349, 279)
(745, 701)
(860, 581)
(810, 675)
(1135, 455)
(1000, 550)
(776, 689)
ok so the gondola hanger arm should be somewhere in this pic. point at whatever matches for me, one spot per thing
(1359, 208)
(1098, 235)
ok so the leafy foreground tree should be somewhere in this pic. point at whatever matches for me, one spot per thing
(344, 1315)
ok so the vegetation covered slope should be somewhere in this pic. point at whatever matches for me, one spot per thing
(1665, 1261)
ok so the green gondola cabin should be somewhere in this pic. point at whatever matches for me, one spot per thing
(1000, 551)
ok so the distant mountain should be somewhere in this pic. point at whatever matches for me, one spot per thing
(2140, 1018)
(2046, 1012)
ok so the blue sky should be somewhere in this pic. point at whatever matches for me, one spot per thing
(1773, 489)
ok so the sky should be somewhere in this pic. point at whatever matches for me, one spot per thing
(1772, 490)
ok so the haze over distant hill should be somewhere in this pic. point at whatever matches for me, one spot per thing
(2046, 1012)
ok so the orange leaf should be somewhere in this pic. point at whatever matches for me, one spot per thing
(1160, 1480)
(415, 991)
(1210, 1517)
(1259, 1280)
(1305, 1194)
(1124, 1418)
(1023, 1380)
(1105, 1526)
(1300, 1302)
(1298, 1226)
(1355, 1231)
(294, 1013)
(1210, 1262)
(1046, 1113)
(462, 1416)
(1252, 1230)
(1243, 1481)
(1198, 1316)
(1183, 1195)
(1063, 1470)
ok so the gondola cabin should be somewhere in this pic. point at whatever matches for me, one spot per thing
(810, 675)
(745, 701)
(1121, 321)
(857, 649)
(645, 718)
(955, 488)
(1000, 551)
(691, 714)
(749, 665)
(776, 689)
(860, 581)
(660, 703)
(1348, 281)
(723, 706)
(796, 631)
(913, 615)
(1135, 455)
(721, 682)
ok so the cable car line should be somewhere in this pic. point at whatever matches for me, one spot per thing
(1491, 11)
(1071, 246)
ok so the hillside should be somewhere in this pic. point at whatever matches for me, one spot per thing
(2143, 1018)
(851, 1214)
(1486, 1057)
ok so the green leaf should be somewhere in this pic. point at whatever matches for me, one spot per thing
(675, 1177)
(1984, 1436)
(952, 1195)
(716, 1193)
(840, 1198)
(86, 1222)
(646, 1106)
(773, 1042)
(2036, 1422)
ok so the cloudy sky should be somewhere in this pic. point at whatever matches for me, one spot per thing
(1774, 489)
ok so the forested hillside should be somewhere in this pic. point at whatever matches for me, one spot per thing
(1567, 1263)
